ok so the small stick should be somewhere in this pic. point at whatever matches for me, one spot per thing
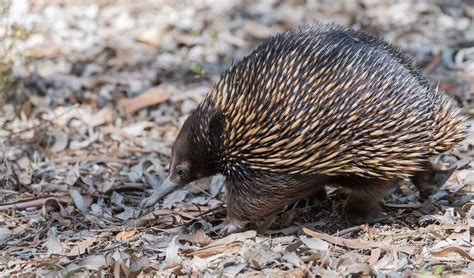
(347, 231)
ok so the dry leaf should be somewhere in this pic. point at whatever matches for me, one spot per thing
(234, 237)
(151, 37)
(452, 249)
(213, 250)
(72, 175)
(138, 128)
(174, 197)
(5, 233)
(257, 29)
(149, 98)
(53, 244)
(123, 235)
(349, 243)
(257, 255)
(374, 256)
(81, 247)
(315, 243)
(78, 200)
(199, 238)
(60, 141)
(77, 145)
(93, 262)
(172, 257)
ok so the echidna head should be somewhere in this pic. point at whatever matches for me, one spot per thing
(193, 152)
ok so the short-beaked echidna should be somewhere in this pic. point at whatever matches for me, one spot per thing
(320, 105)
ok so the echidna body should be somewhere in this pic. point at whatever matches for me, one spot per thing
(319, 105)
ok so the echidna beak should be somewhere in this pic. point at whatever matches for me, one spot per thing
(166, 188)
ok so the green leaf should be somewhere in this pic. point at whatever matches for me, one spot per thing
(437, 270)
(424, 272)
(197, 70)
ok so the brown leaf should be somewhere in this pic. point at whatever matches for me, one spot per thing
(123, 235)
(149, 98)
(452, 249)
(151, 37)
(356, 243)
(81, 247)
(213, 250)
(199, 238)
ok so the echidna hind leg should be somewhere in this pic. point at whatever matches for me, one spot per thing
(437, 172)
(362, 204)
(320, 194)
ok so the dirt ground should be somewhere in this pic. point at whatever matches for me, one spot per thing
(97, 93)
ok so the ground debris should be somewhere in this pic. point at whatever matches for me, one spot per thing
(102, 89)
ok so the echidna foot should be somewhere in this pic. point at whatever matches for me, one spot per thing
(437, 171)
(373, 218)
(232, 226)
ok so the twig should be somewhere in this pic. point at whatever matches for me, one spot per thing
(96, 158)
(35, 202)
(347, 231)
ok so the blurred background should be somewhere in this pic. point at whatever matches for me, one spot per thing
(92, 95)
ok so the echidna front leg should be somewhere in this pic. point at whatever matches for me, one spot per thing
(437, 172)
(248, 203)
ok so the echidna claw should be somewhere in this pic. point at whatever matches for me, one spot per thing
(381, 218)
(229, 229)
(149, 201)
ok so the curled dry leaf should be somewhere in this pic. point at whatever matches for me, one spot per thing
(78, 200)
(60, 141)
(105, 115)
(138, 128)
(76, 145)
(172, 257)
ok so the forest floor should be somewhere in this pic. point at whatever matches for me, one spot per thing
(97, 95)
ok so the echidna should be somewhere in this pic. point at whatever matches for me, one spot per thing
(320, 105)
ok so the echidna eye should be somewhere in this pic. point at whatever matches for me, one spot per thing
(180, 172)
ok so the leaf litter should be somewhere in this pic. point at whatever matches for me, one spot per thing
(88, 133)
